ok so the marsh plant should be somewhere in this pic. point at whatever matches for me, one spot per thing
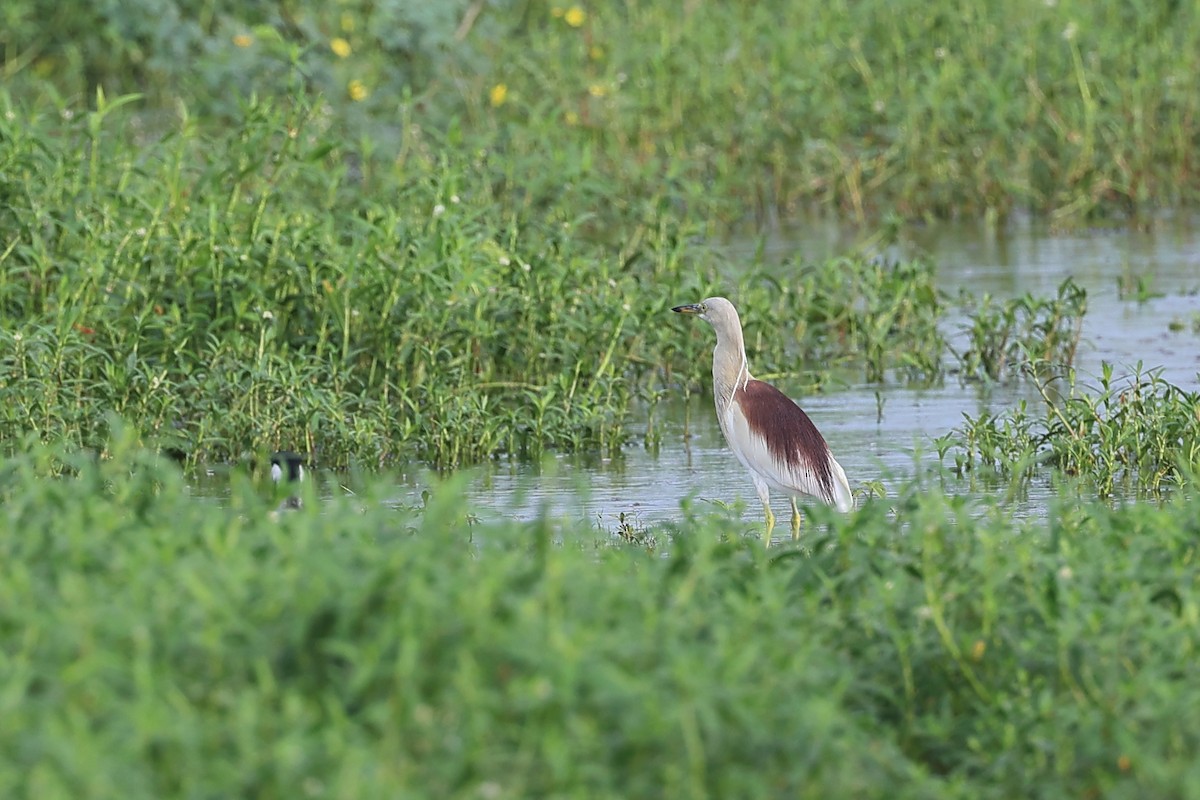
(1139, 434)
(866, 109)
(421, 238)
(867, 307)
(259, 296)
(1005, 336)
(269, 299)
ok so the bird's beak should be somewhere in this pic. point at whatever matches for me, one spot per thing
(690, 308)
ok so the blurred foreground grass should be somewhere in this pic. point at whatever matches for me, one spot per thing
(152, 645)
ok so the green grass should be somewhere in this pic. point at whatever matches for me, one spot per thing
(1069, 108)
(928, 646)
(243, 291)
(445, 272)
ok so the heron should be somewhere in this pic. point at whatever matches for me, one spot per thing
(767, 431)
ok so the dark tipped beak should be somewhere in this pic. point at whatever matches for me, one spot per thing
(690, 308)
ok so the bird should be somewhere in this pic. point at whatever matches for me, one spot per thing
(289, 465)
(767, 431)
(292, 462)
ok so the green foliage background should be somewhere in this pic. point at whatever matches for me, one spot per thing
(1072, 107)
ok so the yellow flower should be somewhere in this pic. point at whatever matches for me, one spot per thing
(575, 16)
(596, 53)
(597, 90)
(498, 95)
(571, 118)
(340, 46)
(357, 90)
(243, 40)
(347, 22)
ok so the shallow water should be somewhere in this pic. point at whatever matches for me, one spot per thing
(886, 433)
(878, 433)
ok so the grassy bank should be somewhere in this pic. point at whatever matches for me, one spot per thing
(156, 646)
(1076, 109)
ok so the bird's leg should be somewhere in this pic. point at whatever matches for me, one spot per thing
(796, 521)
(764, 494)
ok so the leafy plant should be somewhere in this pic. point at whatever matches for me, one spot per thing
(1003, 338)
(1142, 433)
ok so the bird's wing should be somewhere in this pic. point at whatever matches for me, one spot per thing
(843, 498)
(775, 438)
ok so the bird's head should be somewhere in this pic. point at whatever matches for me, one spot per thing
(714, 310)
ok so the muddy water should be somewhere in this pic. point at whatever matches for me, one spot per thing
(885, 433)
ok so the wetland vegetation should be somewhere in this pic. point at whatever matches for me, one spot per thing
(393, 232)
(929, 645)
